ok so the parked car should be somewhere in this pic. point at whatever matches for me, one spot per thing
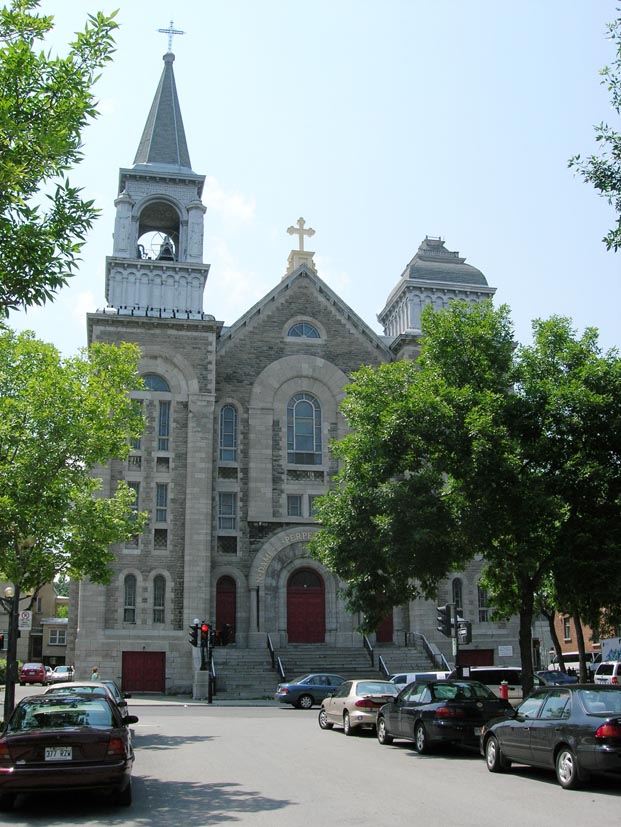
(403, 678)
(574, 729)
(66, 742)
(62, 673)
(307, 690)
(33, 673)
(48, 673)
(608, 672)
(354, 704)
(119, 696)
(493, 676)
(437, 712)
(90, 688)
(556, 677)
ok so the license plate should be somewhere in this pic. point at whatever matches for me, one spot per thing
(58, 753)
(477, 730)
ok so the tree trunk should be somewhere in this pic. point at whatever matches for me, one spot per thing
(556, 642)
(526, 637)
(584, 676)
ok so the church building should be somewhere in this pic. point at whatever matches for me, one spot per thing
(239, 417)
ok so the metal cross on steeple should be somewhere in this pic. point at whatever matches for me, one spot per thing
(170, 31)
(301, 232)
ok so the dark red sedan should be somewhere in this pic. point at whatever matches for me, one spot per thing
(66, 742)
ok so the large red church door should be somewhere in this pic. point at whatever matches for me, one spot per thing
(385, 630)
(306, 607)
(226, 598)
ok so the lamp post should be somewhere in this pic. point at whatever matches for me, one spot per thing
(11, 604)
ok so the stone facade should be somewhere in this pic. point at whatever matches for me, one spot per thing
(238, 424)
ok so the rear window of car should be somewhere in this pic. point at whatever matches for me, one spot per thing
(606, 702)
(32, 666)
(376, 688)
(59, 715)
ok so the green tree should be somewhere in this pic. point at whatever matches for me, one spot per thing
(509, 430)
(45, 104)
(60, 419)
(604, 170)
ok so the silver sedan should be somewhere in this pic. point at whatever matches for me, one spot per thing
(354, 704)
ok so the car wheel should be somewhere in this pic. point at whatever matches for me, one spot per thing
(348, 729)
(567, 772)
(495, 760)
(382, 735)
(305, 702)
(421, 743)
(6, 802)
(323, 719)
(124, 797)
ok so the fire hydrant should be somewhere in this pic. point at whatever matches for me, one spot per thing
(504, 690)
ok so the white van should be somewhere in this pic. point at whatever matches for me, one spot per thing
(609, 672)
(572, 661)
(402, 679)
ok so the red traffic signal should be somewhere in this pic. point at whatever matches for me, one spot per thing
(204, 634)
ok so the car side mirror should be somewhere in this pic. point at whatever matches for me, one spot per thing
(130, 719)
(127, 694)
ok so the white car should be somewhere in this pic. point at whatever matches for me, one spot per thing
(62, 673)
(402, 679)
(608, 672)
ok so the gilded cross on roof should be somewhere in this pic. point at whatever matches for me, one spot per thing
(301, 232)
(170, 31)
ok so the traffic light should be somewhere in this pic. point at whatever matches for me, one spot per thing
(193, 639)
(1, 640)
(464, 631)
(443, 618)
(204, 635)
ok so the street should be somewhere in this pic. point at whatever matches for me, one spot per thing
(198, 765)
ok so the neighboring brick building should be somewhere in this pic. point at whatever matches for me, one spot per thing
(46, 640)
(240, 418)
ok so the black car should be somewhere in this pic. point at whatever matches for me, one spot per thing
(574, 729)
(448, 711)
(308, 690)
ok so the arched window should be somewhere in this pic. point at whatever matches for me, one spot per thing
(228, 434)
(303, 330)
(304, 430)
(159, 598)
(154, 382)
(483, 604)
(129, 599)
(458, 595)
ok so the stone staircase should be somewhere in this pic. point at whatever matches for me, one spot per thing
(248, 673)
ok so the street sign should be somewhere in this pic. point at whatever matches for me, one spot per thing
(24, 621)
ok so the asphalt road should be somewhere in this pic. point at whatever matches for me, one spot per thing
(199, 765)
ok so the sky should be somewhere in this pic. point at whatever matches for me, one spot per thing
(379, 122)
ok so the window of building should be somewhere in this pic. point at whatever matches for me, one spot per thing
(39, 605)
(457, 588)
(163, 426)
(312, 504)
(136, 442)
(228, 434)
(567, 628)
(159, 598)
(227, 510)
(58, 637)
(160, 539)
(304, 430)
(303, 330)
(129, 599)
(154, 382)
(294, 505)
(483, 604)
(161, 502)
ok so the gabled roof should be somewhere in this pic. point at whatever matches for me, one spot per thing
(163, 143)
(337, 305)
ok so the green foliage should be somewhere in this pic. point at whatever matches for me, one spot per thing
(59, 419)
(45, 104)
(604, 170)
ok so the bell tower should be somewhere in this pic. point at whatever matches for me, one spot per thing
(157, 268)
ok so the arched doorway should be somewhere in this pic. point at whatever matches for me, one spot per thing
(306, 607)
(226, 599)
(385, 630)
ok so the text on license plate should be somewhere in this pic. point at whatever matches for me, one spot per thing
(477, 730)
(58, 754)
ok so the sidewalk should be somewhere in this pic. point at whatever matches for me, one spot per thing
(139, 699)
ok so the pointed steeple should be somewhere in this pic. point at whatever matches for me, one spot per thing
(163, 143)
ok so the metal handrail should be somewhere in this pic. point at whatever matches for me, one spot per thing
(381, 663)
(270, 646)
(415, 639)
(367, 645)
(276, 661)
(281, 668)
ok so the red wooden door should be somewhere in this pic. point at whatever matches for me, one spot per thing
(384, 633)
(144, 672)
(226, 599)
(306, 607)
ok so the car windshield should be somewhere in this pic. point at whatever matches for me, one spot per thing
(376, 688)
(458, 690)
(60, 714)
(601, 700)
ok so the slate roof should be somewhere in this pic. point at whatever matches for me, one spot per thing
(433, 262)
